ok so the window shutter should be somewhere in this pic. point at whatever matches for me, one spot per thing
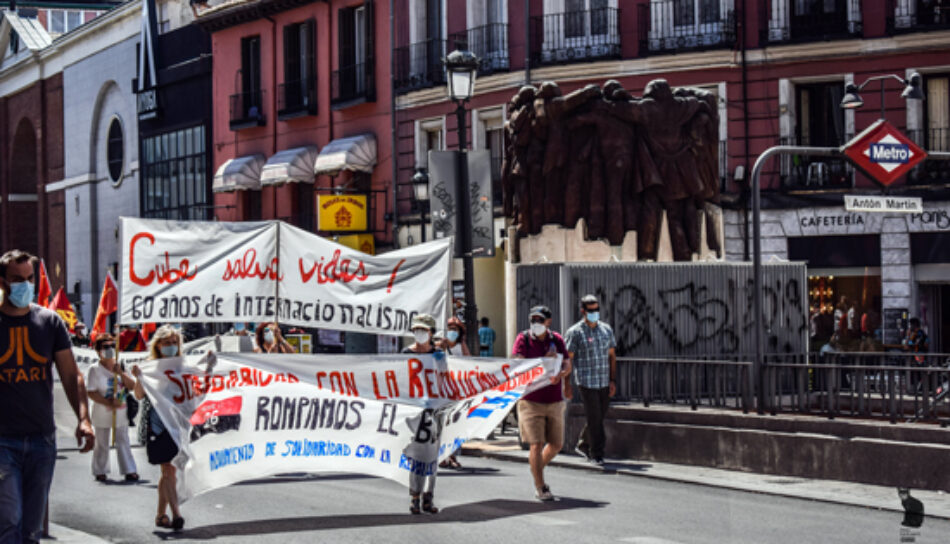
(290, 54)
(346, 38)
(370, 66)
(311, 68)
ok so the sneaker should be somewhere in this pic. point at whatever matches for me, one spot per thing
(582, 453)
(544, 494)
(599, 461)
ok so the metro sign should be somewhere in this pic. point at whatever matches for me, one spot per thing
(883, 153)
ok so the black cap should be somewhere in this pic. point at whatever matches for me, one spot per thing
(540, 310)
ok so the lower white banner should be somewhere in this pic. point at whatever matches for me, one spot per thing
(243, 416)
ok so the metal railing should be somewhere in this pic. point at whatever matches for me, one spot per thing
(917, 15)
(576, 36)
(419, 65)
(667, 27)
(892, 386)
(797, 21)
(247, 110)
(799, 172)
(297, 98)
(354, 83)
(931, 172)
(489, 43)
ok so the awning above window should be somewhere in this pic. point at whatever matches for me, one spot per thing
(238, 174)
(356, 153)
(290, 165)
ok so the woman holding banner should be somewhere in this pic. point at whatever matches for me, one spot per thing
(161, 447)
(427, 424)
(454, 344)
(108, 386)
(269, 339)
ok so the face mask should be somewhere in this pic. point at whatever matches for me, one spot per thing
(269, 337)
(21, 294)
(593, 317)
(537, 329)
(452, 336)
(169, 351)
(108, 353)
(421, 336)
(239, 327)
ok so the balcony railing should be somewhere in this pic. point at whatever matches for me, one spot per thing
(917, 15)
(576, 36)
(297, 98)
(354, 84)
(489, 43)
(666, 26)
(798, 21)
(419, 65)
(931, 172)
(799, 172)
(247, 110)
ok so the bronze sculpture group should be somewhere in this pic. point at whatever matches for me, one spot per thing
(617, 161)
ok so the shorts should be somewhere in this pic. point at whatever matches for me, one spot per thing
(161, 448)
(541, 423)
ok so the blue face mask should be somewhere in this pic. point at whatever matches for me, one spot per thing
(169, 351)
(593, 317)
(239, 327)
(21, 294)
(453, 336)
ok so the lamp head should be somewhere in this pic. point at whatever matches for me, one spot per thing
(851, 99)
(420, 185)
(913, 90)
(461, 67)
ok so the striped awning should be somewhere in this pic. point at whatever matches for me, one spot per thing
(290, 165)
(242, 173)
(356, 153)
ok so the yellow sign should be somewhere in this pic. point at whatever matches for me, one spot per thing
(359, 242)
(341, 212)
(302, 343)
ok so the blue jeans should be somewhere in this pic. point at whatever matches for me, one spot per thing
(26, 471)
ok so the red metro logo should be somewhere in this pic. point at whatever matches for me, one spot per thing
(883, 153)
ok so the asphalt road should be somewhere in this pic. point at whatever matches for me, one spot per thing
(489, 501)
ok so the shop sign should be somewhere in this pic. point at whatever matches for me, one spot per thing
(147, 104)
(341, 212)
(883, 153)
(865, 203)
(359, 242)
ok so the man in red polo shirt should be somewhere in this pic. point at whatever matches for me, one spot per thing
(541, 413)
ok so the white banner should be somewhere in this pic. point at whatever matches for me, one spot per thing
(248, 416)
(198, 271)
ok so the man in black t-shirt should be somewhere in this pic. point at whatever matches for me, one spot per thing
(31, 338)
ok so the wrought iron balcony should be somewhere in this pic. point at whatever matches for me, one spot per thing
(575, 36)
(489, 43)
(354, 84)
(673, 26)
(917, 15)
(797, 21)
(419, 65)
(247, 110)
(931, 172)
(297, 99)
(800, 172)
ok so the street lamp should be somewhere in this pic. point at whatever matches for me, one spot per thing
(420, 193)
(912, 91)
(461, 69)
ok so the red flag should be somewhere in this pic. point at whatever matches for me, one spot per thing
(64, 308)
(43, 289)
(148, 329)
(132, 340)
(108, 304)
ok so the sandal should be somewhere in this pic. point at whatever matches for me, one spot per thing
(427, 505)
(133, 477)
(414, 505)
(178, 523)
(100, 477)
(163, 521)
(454, 463)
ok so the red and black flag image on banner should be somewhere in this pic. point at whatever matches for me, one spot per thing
(216, 416)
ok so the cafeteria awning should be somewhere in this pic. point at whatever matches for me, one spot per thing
(239, 174)
(290, 165)
(356, 153)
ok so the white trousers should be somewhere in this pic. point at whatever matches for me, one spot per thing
(123, 450)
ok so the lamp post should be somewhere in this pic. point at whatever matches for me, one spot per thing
(912, 90)
(420, 192)
(461, 68)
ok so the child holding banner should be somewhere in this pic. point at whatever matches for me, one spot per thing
(107, 385)
(161, 447)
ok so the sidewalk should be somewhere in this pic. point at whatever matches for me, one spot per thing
(936, 503)
(58, 533)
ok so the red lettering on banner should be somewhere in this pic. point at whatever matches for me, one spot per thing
(333, 270)
(428, 375)
(415, 368)
(392, 277)
(248, 267)
(163, 273)
(192, 385)
(181, 396)
(376, 388)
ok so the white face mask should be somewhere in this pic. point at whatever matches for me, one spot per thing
(421, 336)
(537, 329)
(108, 353)
(269, 337)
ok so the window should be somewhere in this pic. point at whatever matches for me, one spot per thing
(578, 12)
(115, 150)
(429, 137)
(687, 12)
(60, 21)
(247, 103)
(298, 94)
(353, 80)
(819, 122)
(938, 113)
(174, 175)
(57, 21)
(14, 42)
(495, 142)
